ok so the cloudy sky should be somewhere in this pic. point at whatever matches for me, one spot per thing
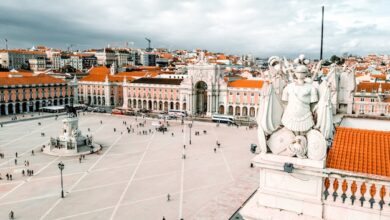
(259, 27)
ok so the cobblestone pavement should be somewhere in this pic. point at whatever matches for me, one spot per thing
(132, 176)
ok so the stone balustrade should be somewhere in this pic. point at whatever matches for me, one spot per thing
(358, 192)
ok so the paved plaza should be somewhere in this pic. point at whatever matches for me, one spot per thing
(132, 175)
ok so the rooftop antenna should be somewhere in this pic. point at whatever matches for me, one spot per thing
(149, 41)
(322, 32)
(6, 43)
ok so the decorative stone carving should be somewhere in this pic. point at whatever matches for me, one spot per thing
(299, 95)
(316, 145)
(303, 127)
(280, 140)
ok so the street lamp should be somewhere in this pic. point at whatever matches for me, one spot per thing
(190, 126)
(61, 167)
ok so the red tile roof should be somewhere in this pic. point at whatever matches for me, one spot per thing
(29, 80)
(243, 83)
(370, 86)
(99, 70)
(361, 151)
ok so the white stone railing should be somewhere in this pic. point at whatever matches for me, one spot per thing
(359, 192)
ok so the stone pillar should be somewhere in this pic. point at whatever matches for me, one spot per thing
(6, 109)
(126, 97)
(20, 108)
(107, 95)
(27, 107)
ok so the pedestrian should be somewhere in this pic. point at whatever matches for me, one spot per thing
(23, 173)
(114, 129)
(32, 172)
(10, 177)
(32, 153)
(163, 218)
(172, 134)
(11, 215)
(80, 159)
(7, 175)
(215, 150)
(184, 146)
(83, 156)
(168, 197)
(16, 154)
(89, 130)
(16, 161)
(101, 122)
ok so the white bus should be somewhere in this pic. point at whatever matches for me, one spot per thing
(223, 118)
(177, 113)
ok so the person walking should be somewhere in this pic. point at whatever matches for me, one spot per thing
(215, 150)
(168, 197)
(16, 161)
(11, 215)
(32, 153)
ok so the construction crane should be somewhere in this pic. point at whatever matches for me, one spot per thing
(70, 46)
(149, 41)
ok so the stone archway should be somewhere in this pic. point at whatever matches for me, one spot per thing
(221, 109)
(201, 97)
(10, 109)
(150, 105)
(252, 112)
(244, 111)
(2, 109)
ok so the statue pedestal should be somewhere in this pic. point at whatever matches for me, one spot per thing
(71, 142)
(286, 195)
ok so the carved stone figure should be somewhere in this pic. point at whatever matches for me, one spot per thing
(298, 116)
(303, 126)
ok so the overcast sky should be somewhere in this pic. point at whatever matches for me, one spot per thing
(259, 27)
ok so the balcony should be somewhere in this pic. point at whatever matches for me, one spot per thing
(359, 193)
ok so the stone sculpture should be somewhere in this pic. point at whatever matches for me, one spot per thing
(299, 121)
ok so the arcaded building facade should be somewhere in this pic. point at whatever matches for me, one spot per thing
(22, 92)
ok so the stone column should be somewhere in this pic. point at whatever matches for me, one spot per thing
(27, 107)
(6, 109)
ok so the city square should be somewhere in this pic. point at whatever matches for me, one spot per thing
(133, 174)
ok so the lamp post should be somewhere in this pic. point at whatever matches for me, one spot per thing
(190, 126)
(61, 166)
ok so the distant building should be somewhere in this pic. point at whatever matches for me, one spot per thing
(22, 92)
(372, 99)
(17, 59)
(148, 59)
(105, 56)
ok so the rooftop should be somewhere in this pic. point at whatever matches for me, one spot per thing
(360, 151)
(244, 83)
(158, 81)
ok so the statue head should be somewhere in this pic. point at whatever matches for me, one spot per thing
(273, 61)
(301, 71)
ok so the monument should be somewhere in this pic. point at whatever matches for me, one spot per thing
(295, 129)
(71, 142)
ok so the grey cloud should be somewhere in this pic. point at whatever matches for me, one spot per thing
(262, 27)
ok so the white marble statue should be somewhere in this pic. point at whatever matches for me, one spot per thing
(333, 79)
(303, 125)
(347, 86)
(299, 95)
(276, 75)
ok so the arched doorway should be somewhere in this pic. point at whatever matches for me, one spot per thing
(154, 105)
(10, 109)
(37, 107)
(221, 109)
(252, 112)
(230, 110)
(17, 108)
(144, 104)
(160, 106)
(201, 97)
(150, 105)
(134, 103)
(238, 110)
(2, 110)
(24, 107)
(61, 102)
(139, 104)
(171, 105)
(89, 100)
(31, 106)
(184, 106)
(244, 111)
(177, 106)
(165, 106)
(55, 102)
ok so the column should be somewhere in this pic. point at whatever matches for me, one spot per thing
(27, 107)
(20, 108)
(6, 109)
